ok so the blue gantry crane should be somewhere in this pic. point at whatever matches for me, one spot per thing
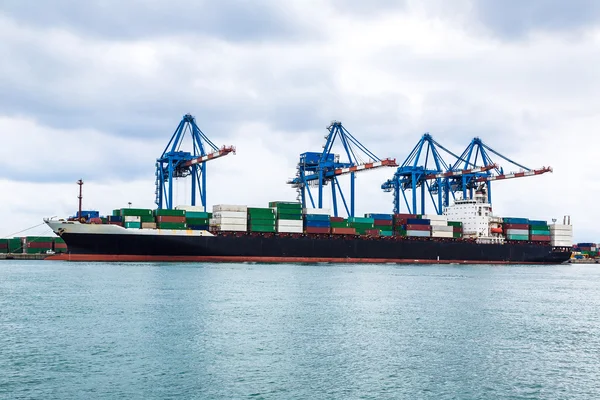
(175, 163)
(477, 154)
(318, 169)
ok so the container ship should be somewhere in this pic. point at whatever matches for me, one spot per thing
(467, 232)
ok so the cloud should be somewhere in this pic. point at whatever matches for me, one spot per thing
(513, 19)
(236, 20)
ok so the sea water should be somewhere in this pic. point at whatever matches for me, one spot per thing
(261, 331)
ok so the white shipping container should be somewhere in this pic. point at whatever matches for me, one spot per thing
(229, 207)
(438, 223)
(435, 217)
(517, 232)
(290, 229)
(231, 214)
(289, 223)
(558, 227)
(442, 228)
(418, 233)
(442, 234)
(190, 208)
(316, 211)
(228, 221)
(230, 227)
(132, 218)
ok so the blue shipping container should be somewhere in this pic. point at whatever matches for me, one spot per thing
(380, 216)
(416, 221)
(317, 224)
(516, 220)
(113, 218)
(316, 217)
(198, 227)
(539, 222)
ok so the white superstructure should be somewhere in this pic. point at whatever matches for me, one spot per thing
(477, 219)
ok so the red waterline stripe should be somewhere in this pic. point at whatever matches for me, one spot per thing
(139, 258)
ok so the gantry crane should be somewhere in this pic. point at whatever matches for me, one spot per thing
(476, 154)
(175, 163)
(320, 169)
(423, 169)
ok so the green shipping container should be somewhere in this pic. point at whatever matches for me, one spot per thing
(457, 235)
(262, 228)
(384, 228)
(293, 217)
(455, 223)
(135, 212)
(360, 220)
(517, 237)
(162, 212)
(171, 225)
(15, 245)
(132, 225)
(198, 214)
(259, 222)
(386, 233)
(361, 225)
(116, 213)
(146, 218)
(285, 205)
(540, 232)
(335, 224)
(260, 212)
(197, 221)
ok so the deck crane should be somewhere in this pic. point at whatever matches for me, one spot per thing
(477, 153)
(175, 163)
(429, 175)
(320, 169)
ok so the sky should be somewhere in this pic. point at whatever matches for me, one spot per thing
(94, 90)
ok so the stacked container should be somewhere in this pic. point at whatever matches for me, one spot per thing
(229, 218)
(114, 220)
(59, 245)
(288, 216)
(341, 226)
(3, 246)
(457, 229)
(561, 235)
(133, 217)
(589, 250)
(539, 231)
(316, 220)
(170, 219)
(384, 223)
(196, 218)
(261, 220)
(361, 225)
(38, 244)
(516, 228)
(15, 245)
(418, 227)
(400, 221)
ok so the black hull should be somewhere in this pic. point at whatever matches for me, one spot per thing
(302, 248)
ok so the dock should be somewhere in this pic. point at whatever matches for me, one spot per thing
(23, 256)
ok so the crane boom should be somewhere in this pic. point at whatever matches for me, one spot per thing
(522, 174)
(461, 172)
(388, 162)
(223, 151)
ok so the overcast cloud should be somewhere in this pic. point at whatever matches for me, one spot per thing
(95, 89)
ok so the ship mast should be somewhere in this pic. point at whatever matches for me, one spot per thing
(80, 197)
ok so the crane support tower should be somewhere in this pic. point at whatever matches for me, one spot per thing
(478, 153)
(318, 169)
(175, 163)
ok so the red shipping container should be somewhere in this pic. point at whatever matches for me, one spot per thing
(516, 226)
(539, 238)
(400, 221)
(383, 222)
(168, 218)
(405, 216)
(95, 220)
(343, 231)
(39, 245)
(372, 232)
(418, 227)
(3, 245)
(312, 229)
(457, 229)
(337, 219)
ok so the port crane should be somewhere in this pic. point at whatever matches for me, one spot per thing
(175, 163)
(424, 170)
(318, 169)
(478, 153)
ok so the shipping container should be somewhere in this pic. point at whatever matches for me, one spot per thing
(316, 217)
(135, 212)
(293, 217)
(171, 225)
(229, 208)
(337, 219)
(132, 225)
(316, 211)
(507, 226)
(288, 223)
(231, 214)
(511, 220)
(439, 228)
(517, 237)
(442, 234)
(191, 208)
(383, 222)
(132, 218)
(343, 231)
(455, 224)
(387, 217)
(264, 213)
(198, 227)
(317, 224)
(262, 228)
(161, 219)
(418, 233)
(540, 238)
(148, 225)
(416, 227)
(417, 221)
(518, 232)
(310, 229)
(163, 212)
(290, 229)
(340, 224)
(197, 214)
